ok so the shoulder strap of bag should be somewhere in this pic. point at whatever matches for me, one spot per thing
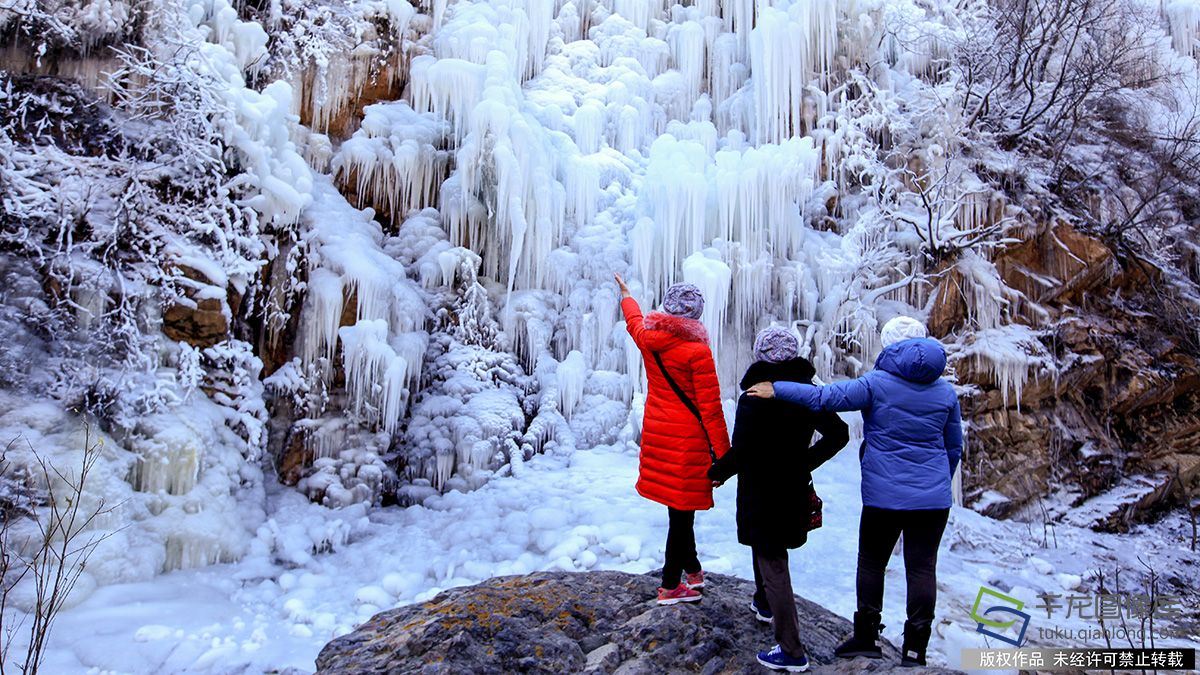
(678, 391)
(683, 397)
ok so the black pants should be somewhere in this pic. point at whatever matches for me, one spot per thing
(681, 547)
(773, 588)
(878, 531)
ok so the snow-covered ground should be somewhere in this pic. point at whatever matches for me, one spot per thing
(568, 510)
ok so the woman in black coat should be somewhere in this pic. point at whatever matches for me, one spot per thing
(771, 456)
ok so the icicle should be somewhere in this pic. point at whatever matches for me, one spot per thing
(788, 51)
(512, 167)
(323, 316)
(570, 377)
(687, 41)
(974, 208)
(395, 393)
(187, 550)
(725, 79)
(328, 439)
(588, 123)
(541, 16)
(439, 12)
(1008, 354)
(675, 194)
(751, 293)
(375, 375)
(449, 88)
(739, 19)
(638, 12)
(570, 22)
(985, 293)
(712, 276)
(1183, 18)
(395, 161)
(583, 188)
(334, 83)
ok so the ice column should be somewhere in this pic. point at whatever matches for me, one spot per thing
(687, 43)
(571, 376)
(712, 276)
(675, 194)
(789, 51)
(375, 375)
(323, 316)
(1183, 17)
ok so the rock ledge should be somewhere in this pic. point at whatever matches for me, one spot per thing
(583, 622)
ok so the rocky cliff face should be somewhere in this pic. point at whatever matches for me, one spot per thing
(1109, 418)
(592, 622)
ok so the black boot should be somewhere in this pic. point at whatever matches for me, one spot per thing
(864, 642)
(916, 639)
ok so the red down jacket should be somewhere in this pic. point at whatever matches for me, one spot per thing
(674, 458)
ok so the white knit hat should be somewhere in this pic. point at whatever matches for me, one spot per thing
(902, 328)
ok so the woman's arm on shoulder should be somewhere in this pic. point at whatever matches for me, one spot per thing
(853, 394)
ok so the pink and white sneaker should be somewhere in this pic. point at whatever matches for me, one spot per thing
(680, 593)
(695, 580)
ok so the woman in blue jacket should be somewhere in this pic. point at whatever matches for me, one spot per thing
(912, 441)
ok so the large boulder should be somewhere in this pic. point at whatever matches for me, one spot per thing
(583, 622)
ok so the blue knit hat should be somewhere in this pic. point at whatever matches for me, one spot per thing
(684, 300)
(776, 344)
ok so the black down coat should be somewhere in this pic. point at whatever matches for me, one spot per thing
(771, 456)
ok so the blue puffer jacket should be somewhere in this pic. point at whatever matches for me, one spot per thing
(912, 426)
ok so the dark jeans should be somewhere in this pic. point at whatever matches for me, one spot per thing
(878, 531)
(773, 588)
(681, 547)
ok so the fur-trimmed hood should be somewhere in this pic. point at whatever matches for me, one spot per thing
(688, 330)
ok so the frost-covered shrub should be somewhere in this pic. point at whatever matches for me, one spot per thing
(68, 26)
(469, 420)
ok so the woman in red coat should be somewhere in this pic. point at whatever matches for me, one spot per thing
(679, 438)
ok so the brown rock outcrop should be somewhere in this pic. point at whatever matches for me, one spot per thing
(1121, 401)
(201, 317)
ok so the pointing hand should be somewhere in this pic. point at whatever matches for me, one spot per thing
(621, 285)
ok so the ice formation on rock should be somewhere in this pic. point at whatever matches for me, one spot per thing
(396, 161)
(472, 173)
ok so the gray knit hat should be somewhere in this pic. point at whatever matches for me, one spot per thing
(776, 344)
(684, 300)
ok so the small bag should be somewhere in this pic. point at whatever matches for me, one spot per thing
(814, 519)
